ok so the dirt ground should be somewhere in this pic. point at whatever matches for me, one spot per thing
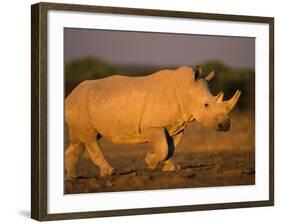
(207, 158)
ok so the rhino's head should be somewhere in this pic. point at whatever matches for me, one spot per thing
(211, 111)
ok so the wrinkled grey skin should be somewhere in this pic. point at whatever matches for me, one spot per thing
(151, 109)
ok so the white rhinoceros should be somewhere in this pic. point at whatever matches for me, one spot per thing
(154, 109)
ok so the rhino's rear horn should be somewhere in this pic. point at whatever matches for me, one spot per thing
(219, 97)
(233, 101)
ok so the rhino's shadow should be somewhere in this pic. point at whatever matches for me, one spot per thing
(171, 145)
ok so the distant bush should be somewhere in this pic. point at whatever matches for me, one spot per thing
(85, 68)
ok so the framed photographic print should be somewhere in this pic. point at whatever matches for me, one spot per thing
(139, 111)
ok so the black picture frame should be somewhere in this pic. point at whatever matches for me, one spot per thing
(39, 107)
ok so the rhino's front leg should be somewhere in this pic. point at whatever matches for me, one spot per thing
(169, 164)
(157, 137)
(97, 157)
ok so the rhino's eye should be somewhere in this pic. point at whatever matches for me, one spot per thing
(206, 105)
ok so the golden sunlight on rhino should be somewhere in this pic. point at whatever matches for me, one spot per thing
(154, 109)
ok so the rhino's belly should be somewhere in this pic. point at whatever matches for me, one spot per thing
(125, 138)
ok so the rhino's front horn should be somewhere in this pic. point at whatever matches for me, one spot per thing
(210, 76)
(219, 97)
(233, 101)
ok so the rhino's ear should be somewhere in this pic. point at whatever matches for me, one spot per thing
(198, 72)
(210, 76)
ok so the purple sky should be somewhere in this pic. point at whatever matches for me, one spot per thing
(140, 48)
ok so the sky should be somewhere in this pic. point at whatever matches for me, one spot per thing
(144, 48)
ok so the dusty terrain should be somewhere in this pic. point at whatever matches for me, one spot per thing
(207, 158)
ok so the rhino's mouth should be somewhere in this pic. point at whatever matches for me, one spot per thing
(225, 126)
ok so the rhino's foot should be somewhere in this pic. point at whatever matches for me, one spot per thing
(152, 166)
(150, 163)
(107, 172)
(71, 176)
(170, 165)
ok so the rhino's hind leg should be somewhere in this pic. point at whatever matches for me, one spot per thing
(97, 157)
(73, 154)
(157, 137)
